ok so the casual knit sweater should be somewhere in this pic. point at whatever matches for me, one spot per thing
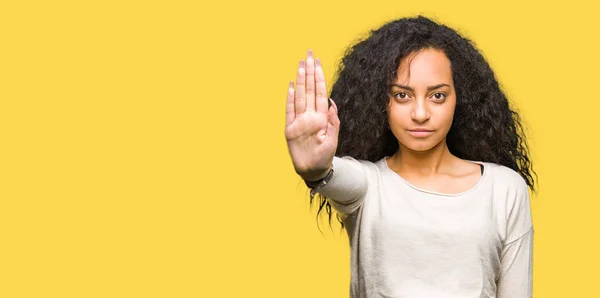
(410, 242)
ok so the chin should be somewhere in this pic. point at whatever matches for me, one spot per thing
(420, 145)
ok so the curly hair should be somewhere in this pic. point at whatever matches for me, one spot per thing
(484, 127)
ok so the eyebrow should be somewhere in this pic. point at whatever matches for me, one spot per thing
(428, 88)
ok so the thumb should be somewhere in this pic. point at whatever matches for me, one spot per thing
(334, 121)
(333, 104)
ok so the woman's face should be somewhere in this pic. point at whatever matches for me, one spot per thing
(421, 105)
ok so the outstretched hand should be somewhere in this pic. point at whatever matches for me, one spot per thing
(311, 125)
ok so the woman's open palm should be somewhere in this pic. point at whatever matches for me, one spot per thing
(311, 126)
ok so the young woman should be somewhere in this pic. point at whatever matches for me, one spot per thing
(423, 161)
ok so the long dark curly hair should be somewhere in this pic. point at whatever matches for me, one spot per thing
(484, 127)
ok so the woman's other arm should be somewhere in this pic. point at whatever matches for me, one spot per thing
(516, 276)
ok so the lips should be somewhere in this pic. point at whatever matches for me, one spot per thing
(420, 132)
(420, 129)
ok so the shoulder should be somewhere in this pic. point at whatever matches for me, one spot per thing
(508, 187)
(505, 177)
(511, 192)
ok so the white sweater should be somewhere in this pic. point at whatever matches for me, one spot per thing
(410, 242)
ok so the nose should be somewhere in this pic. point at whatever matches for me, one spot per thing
(420, 111)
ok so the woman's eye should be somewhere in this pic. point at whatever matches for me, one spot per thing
(401, 95)
(439, 96)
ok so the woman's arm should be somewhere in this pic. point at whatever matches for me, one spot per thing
(516, 275)
(517, 268)
(311, 126)
(347, 188)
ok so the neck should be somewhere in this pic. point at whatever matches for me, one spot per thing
(430, 162)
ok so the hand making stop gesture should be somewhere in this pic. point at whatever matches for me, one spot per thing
(311, 125)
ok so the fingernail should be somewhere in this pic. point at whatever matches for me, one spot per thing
(301, 63)
(334, 105)
(310, 53)
(318, 62)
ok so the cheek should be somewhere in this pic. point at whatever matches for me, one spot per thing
(398, 116)
(396, 120)
(447, 116)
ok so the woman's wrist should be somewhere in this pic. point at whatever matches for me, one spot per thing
(316, 176)
(321, 180)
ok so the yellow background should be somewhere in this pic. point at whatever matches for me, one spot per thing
(143, 155)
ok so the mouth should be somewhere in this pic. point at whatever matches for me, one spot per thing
(420, 133)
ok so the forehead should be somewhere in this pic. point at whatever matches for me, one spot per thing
(426, 66)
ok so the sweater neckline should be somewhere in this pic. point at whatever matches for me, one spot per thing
(486, 169)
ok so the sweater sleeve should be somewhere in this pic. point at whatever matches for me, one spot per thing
(517, 268)
(516, 273)
(347, 188)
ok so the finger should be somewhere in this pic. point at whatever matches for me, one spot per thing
(321, 88)
(333, 104)
(289, 106)
(334, 122)
(310, 81)
(300, 99)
